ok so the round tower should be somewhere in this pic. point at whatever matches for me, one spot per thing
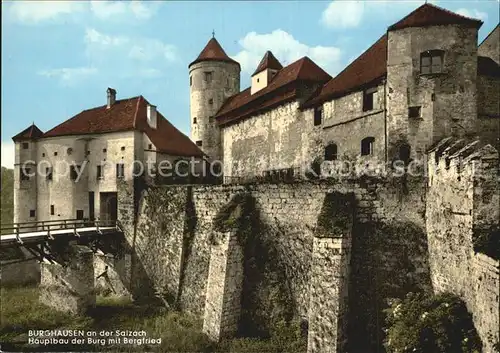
(213, 77)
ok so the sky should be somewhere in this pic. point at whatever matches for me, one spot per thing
(58, 57)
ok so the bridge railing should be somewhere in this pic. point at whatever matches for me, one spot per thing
(51, 225)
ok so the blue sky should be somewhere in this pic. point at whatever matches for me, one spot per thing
(59, 57)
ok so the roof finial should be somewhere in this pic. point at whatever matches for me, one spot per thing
(213, 33)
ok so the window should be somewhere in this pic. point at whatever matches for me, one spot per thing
(25, 173)
(104, 150)
(208, 77)
(99, 172)
(194, 120)
(69, 151)
(318, 116)
(190, 80)
(414, 112)
(120, 171)
(52, 210)
(258, 80)
(198, 143)
(32, 213)
(150, 147)
(87, 153)
(368, 97)
(26, 145)
(123, 148)
(367, 146)
(331, 152)
(211, 101)
(73, 172)
(79, 214)
(55, 153)
(43, 154)
(48, 173)
(431, 62)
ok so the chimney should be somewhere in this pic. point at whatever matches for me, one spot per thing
(152, 115)
(111, 97)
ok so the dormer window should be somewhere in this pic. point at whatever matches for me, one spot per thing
(431, 62)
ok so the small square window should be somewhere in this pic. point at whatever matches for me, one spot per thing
(43, 154)
(32, 213)
(211, 101)
(87, 153)
(123, 148)
(414, 112)
(150, 147)
(55, 153)
(26, 145)
(258, 80)
(104, 150)
(198, 143)
(194, 120)
(52, 210)
(79, 214)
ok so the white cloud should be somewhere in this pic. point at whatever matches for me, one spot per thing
(33, 12)
(8, 154)
(343, 14)
(112, 10)
(340, 14)
(286, 48)
(103, 46)
(69, 76)
(472, 13)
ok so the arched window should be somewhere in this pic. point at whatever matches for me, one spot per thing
(331, 152)
(367, 146)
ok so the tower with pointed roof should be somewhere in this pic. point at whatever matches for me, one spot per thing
(213, 77)
(266, 70)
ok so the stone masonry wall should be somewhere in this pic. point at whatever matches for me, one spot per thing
(462, 204)
(287, 217)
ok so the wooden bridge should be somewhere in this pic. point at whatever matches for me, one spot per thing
(43, 239)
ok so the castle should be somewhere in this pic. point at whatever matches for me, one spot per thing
(423, 80)
(424, 90)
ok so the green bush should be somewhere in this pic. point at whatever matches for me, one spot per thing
(430, 324)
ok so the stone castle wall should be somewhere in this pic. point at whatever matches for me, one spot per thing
(462, 207)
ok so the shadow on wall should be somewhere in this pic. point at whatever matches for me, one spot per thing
(388, 261)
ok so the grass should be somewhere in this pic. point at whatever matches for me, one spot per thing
(179, 332)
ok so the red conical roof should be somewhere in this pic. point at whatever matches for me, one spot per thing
(269, 61)
(431, 15)
(29, 133)
(213, 52)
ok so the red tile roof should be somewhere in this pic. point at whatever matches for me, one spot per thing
(29, 133)
(127, 115)
(269, 61)
(368, 68)
(429, 15)
(282, 86)
(213, 52)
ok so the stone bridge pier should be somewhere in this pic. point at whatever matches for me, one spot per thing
(69, 287)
